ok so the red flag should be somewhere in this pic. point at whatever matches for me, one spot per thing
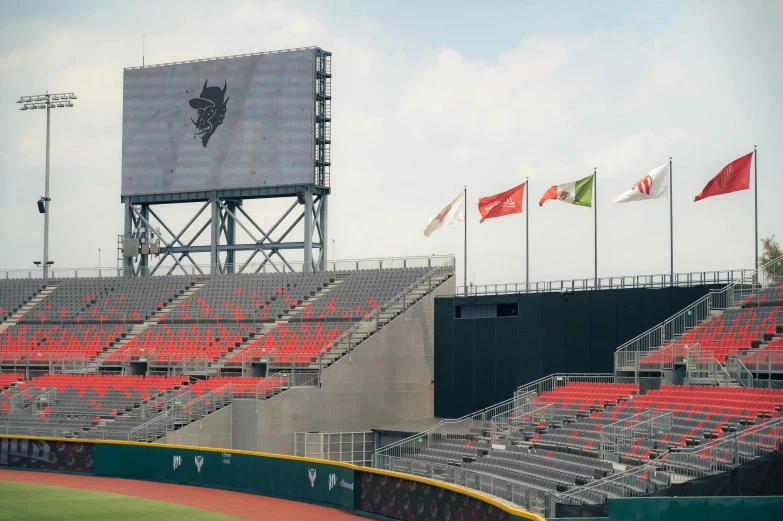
(734, 177)
(498, 205)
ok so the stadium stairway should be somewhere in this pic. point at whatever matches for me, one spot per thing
(232, 355)
(20, 313)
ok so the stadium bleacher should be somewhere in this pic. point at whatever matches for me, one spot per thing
(110, 322)
(576, 437)
(15, 293)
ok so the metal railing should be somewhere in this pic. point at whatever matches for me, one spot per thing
(490, 421)
(176, 364)
(524, 495)
(738, 372)
(261, 267)
(624, 282)
(181, 412)
(459, 428)
(369, 324)
(679, 465)
(645, 425)
(349, 447)
(743, 291)
(43, 400)
(763, 361)
(553, 381)
(703, 368)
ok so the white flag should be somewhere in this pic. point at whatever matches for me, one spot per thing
(652, 186)
(454, 212)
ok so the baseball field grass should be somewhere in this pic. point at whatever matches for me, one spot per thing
(28, 502)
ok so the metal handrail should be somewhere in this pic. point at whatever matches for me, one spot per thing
(679, 323)
(626, 281)
(662, 458)
(204, 270)
(375, 313)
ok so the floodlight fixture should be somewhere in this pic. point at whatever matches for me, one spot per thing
(46, 101)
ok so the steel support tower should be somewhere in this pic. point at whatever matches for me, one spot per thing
(146, 231)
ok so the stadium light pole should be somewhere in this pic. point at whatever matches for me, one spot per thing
(46, 101)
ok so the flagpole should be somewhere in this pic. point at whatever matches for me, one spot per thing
(465, 258)
(671, 226)
(527, 234)
(756, 201)
(595, 222)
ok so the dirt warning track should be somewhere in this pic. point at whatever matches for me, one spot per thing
(244, 506)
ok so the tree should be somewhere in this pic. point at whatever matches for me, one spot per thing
(771, 252)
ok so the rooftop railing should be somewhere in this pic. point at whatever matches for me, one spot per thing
(345, 265)
(695, 278)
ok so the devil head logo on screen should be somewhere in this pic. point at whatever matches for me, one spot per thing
(211, 109)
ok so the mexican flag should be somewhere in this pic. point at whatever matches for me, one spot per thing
(579, 192)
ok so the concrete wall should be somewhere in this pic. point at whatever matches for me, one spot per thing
(212, 431)
(388, 378)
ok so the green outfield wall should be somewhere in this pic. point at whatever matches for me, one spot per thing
(365, 491)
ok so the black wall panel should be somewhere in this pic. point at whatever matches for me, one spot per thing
(553, 331)
(531, 345)
(577, 333)
(506, 360)
(443, 372)
(603, 331)
(464, 373)
(485, 355)
(480, 362)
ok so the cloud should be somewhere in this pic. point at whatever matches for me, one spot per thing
(411, 128)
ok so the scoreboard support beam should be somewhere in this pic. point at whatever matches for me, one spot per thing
(223, 251)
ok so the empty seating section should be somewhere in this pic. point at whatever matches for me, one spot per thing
(173, 320)
(756, 325)
(88, 316)
(8, 379)
(561, 449)
(362, 291)
(734, 330)
(70, 301)
(135, 300)
(111, 299)
(59, 341)
(299, 343)
(577, 412)
(171, 342)
(770, 295)
(73, 404)
(15, 293)
(248, 387)
(248, 298)
(321, 321)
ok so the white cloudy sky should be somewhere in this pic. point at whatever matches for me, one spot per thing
(429, 96)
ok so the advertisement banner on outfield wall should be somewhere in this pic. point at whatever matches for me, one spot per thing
(225, 123)
(399, 498)
(65, 456)
(295, 479)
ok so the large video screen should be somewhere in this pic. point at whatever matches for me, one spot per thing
(239, 122)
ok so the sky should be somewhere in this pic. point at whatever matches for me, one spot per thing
(429, 97)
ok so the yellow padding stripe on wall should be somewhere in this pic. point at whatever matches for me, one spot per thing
(442, 484)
